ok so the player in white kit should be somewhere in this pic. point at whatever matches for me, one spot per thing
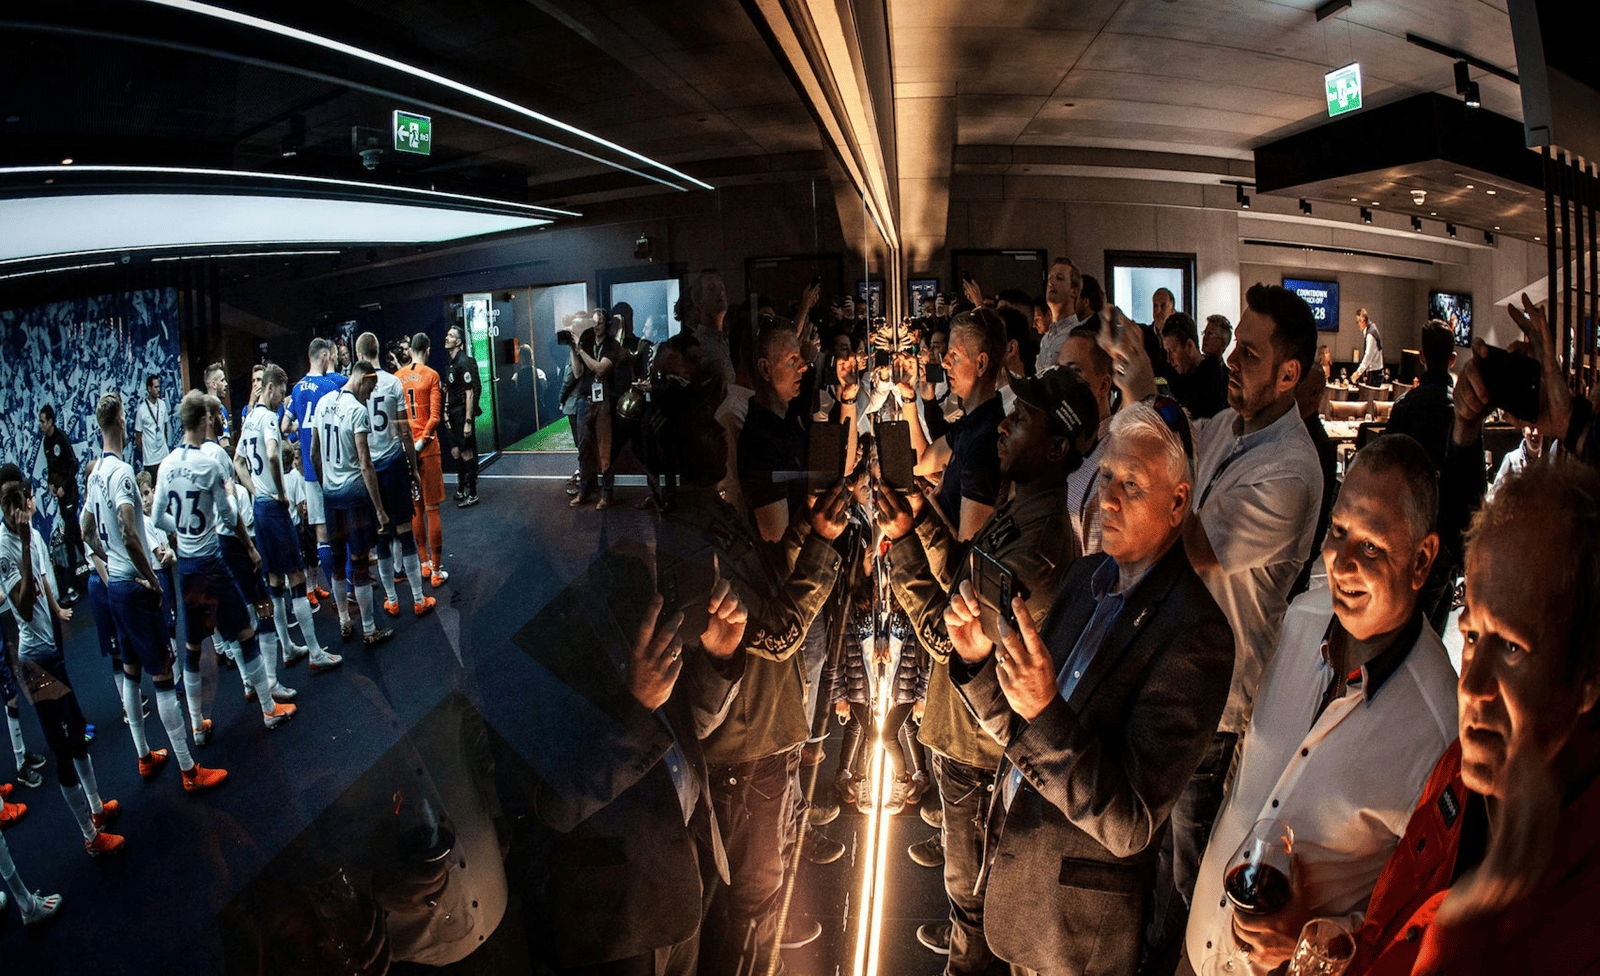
(394, 458)
(354, 504)
(261, 467)
(191, 498)
(136, 602)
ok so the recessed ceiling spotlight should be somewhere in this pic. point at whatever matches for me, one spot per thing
(1376, 204)
(1496, 226)
(1536, 237)
(1352, 199)
(1433, 213)
(1490, 192)
(67, 161)
(1470, 186)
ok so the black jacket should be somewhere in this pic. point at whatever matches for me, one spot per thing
(1071, 863)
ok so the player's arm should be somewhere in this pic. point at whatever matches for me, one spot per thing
(316, 450)
(369, 477)
(241, 471)
(88, 525)
(404, 417)
(275, 465)
(159, 509)
(435, 397)
(133, 539)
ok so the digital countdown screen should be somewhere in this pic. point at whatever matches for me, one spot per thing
(1323, 297)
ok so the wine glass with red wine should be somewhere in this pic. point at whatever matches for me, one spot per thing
(1259, 880)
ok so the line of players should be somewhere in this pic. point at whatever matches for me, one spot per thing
(238, 559)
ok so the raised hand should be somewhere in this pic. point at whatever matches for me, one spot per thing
(1027, 675)
(656, 657)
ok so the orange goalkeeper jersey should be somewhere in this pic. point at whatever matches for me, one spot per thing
(424, 405)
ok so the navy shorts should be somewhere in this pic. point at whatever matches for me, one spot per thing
(141, 626)
(8, 647)
(394, 487)
(351, 529)
(244, 571)
(276, 539)
(211, 599)
(105, 627)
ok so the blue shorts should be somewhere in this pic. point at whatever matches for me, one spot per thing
(394, 487)
(140, 626)
(243, 571)
(8, 644)
(276, 539)
(211, 599)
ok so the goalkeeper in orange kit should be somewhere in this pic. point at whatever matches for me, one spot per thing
(424, 406)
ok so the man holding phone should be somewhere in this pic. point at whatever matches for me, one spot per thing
(1102, 714)
(1025, 545)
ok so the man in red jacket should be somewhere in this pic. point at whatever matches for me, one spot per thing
(1499, 869)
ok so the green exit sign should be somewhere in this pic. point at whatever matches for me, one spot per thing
(1344, 89)
(412, 133)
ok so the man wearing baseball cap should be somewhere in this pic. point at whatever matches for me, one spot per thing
(1030, 534)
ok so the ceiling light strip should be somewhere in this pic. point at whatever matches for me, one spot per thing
(165, 247)
(58, 170)
(40, 271)
(293, 33)
(237, 254)
(353, 86)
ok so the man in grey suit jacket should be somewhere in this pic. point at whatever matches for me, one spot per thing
(1103, 713)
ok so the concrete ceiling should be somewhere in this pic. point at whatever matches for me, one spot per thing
(1191, 83)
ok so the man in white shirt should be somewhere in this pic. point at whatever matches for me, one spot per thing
(343, 459)
(263, 470)
(1062, 285)
(136, 603)
(152, 426)
(191, 499)
(1371, 368)
(1258, 488)
(394, 458)
(1352, 713)
(42, 670)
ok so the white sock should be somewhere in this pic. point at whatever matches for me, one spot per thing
(308, 626)
(191, 691)
(341, 590)
(91, 789)
(120, 679)
(172, 720)
(135, 711)
(79, 806)
(364, 601)
(280, 623)
(269, 652)
(19, 747)
(8, 870)
(256, 673)
(413, 564)
(386, 577)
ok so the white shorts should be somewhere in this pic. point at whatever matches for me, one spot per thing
(314, 511)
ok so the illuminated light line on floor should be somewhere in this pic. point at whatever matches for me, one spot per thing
(372, 57)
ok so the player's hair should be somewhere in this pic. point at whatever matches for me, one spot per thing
(273, 375)
(144, 481)
(108, 412)
(12, 496)
(367, 346)
(420, 342)
(48, 413)
(318, 347)
(192, 411)
(214, 369)
(362, 368)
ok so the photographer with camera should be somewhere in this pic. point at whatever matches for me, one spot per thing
(594, 357)
(1023, 548)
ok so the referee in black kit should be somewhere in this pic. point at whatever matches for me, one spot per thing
(462, 390)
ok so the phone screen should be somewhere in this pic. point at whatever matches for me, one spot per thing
(896, 459)
(995, 586)
(826, 457)
(1513, 382)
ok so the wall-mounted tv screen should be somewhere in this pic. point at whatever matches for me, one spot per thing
(1323, 297)
(1455, 310)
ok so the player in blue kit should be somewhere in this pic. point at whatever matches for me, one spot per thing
(136, 602)
(343, 461)
(307, 393)
(191, 498)
(394, 458)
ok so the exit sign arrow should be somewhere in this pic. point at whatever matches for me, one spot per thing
(412, 133)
